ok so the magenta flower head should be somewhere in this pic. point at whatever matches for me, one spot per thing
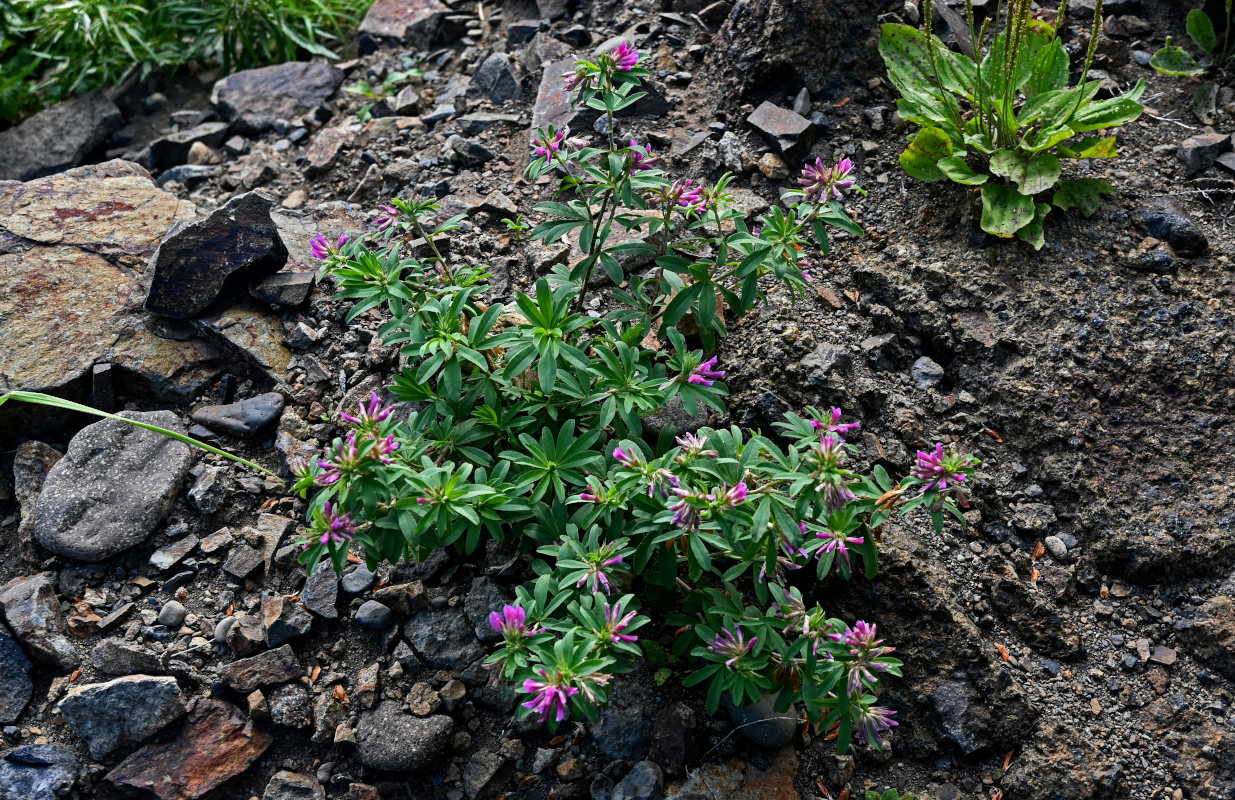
(837, 542)
(641, 157)
(383, 447)
(705, 374)
(574, 80)
(371, 413)
(624, 458)
(663, 481)
(735, 495)
(937, 468)
(511, 622)
(685, 515)
(388, 217)
(687, 195)
(344, 460)
(731, 645)
(820, 182)
(334, 527)
(871, 724)
(550, 696)
(616, 621)
(625, 57)
(864, 648)
(694, 446)
(833, 425)
(323, 249)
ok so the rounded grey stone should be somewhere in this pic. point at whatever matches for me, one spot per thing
(173, 614)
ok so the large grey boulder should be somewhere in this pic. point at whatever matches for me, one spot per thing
(390, 739)
(252, 100)
(122, 712)
(113, 486)
(58, 137)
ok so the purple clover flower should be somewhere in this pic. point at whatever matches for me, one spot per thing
(511, 622)
(338, 528)
(615, 622)
(625, 57)
(837, 542)
(322, 249)
(685, 515)
(551, 696)
(345, 460)
(596, 577)
(937, 468)
(736, 495)
(371, 413)
(821, 182)
(626, 459)
(588, 497)
(705, 374)
(641, 157)
(383, 447)
(864, 648)
(873, 723)
(687, 195)
(389, 216)
(731, 645)
(574, 79)
(833, 425)
(663, 481)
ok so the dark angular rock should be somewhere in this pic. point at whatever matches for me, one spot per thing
(37, 772)
(1173, 227)
(283, 619)
(644, 782)
(217, 743)
(269, 668)
(1198, 153)
(286, 785)
(926, 373)
(122, 712)
(443, 638)
(197, 257)
(1210, 634)
(169, 555)
(287, 288)
(242, 561)
(522, 31)
(15, 685)
(623, 730)
(244, 635)
(113, 486)
(495, 80)
(321, 592)
(358, 579)
(576, 36)
(117, 657)
(246, 418)
(173, 149)
(483, 599)
(481, 121)
(389, 739)
(470, 151)
(255, 99)
(675, 740)
(33, 612)
(58, 137)
(791, 134)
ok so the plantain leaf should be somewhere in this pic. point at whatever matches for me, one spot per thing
(958, 169)
(1205, 102)
(921, 157)
(1005, 210)
(1083, 194)
(1091, 147)
(1050, 70)
(1172, 60)
(1032, 173)
(1201, 29)
(1032, 233)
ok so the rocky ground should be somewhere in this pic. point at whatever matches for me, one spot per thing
(1074, 642)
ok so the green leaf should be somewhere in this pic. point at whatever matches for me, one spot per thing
(1083, 194)
(921, 157)
(1032, 174)
(1005, 210)
(1050, 70)
(1201, 29)
(1106, 114)
(1032, 233)
(958, 169)
(1172, 60)
(1091, 147)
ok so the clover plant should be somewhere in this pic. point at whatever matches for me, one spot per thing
(1004, 117)
(527, 423)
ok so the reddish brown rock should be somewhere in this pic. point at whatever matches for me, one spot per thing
(274, 666)
(412, 22)
(217, 743)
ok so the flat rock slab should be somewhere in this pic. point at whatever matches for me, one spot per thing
(197, 258)
(122, 712)
(252, 100)
(252, 335)
(37, 771)
(70, 277)
(246, 418)
(118, 657)
(173, 150)
(58, 137)
(412, 22)
(444, 638)
(113, 486)
(15, 685)
(392, 740)
(286, 785)
(218, 742)
(553, 103)
(273, 666)
(33, 612)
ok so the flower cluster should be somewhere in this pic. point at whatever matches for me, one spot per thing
(820, 182)
(937, 468)
(323, 249)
